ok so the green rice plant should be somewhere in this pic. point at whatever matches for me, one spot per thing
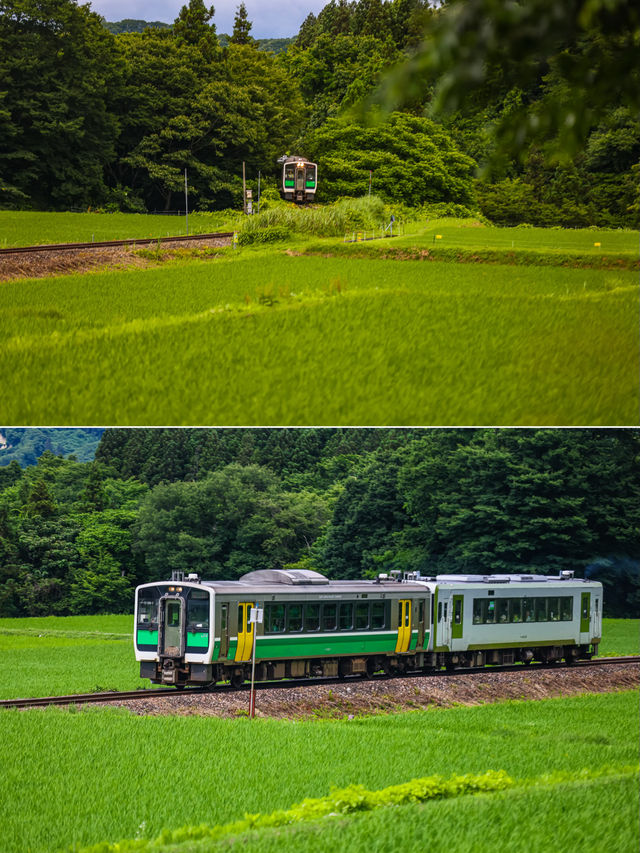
(620, 637)
(408, 343)
(104, 775)
(599, 816)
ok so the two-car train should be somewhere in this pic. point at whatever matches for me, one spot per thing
(193, 632)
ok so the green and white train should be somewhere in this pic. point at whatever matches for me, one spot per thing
(193, 632)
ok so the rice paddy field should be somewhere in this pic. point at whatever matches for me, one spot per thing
(267, 338)
(561, 771)
(29, 228)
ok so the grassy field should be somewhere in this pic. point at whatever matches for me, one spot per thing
(82, 778)
(27, 228)
(266, 339)
(55, 655)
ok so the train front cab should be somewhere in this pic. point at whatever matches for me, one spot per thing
(299, 180)
(173, 632)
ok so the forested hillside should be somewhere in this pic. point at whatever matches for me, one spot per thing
(93, 118)
(77, 537)
(24, 446)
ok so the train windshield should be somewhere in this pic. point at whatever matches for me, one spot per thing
(289, 175)
(148, 608)
(198, 621)
(310, 176)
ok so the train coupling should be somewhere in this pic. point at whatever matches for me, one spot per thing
(170, 672)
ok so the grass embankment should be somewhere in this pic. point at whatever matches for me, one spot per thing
(55, 655)
(98, 776)
(28, 228)
(270, 339)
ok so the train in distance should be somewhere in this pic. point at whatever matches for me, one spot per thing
(299, 179)
(189, 631)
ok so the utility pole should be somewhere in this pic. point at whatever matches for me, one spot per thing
(255, 618)
(186, 199)
(244, 190)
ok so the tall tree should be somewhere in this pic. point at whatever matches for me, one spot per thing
(241, 27)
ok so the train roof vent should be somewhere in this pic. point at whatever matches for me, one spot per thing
(289, 576)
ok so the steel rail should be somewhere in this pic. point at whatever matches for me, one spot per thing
(151, 693)
(146, 241)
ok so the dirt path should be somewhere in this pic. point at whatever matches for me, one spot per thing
(398, 694)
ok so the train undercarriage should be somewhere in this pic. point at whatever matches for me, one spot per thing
(175, 671)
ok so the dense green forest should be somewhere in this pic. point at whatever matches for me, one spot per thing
(96, 118)
(77, 537)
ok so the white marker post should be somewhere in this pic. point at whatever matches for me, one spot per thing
(256, 615)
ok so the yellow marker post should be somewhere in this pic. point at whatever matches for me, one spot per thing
(597, 245)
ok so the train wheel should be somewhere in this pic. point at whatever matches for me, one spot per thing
(237, 679)
(371, 668)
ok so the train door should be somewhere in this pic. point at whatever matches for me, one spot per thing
(585, 617)
(224, 629)
(456, 617)
(172, 627)
(404, 626)
(245, 631)
(444, 619)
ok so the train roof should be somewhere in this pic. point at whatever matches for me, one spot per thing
(305, 581)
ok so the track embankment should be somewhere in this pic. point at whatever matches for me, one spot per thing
(68, 258)
(351, 697)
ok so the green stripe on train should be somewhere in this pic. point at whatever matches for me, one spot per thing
(198, 639)
(316, 645)
(147, 638)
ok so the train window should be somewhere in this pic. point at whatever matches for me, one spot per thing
(378, 621)
(198, 614)
(477, 611)
(346, 616)
(553, 609)
(223, 617)
(457, 611)
(439, 611)
(503, 610)
(585, 606)
(490, 615)
(527, 610)
(310, 179)
(566, 608)
(300, 179)
(311, 617)
(515, 610)
(362, 616)
(294, 617)
(273, 618)
(329, 617)
(148, 608)
(289, 176)
(541, 610)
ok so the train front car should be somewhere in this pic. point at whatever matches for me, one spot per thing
(299, 180)
(173, 632)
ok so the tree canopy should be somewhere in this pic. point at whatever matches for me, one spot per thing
(77, 537)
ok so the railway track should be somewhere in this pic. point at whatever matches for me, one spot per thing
(153, 693)
(147, 241)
